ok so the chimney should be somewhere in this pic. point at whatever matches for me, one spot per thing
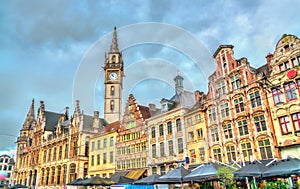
(269, 58)
(96, 121)
(197, 96)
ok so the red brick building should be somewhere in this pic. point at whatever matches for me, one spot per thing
(238, 118)
(131, 145)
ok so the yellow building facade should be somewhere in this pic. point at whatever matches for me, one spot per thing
(53, 148)
(195, 128)
(166, 131)
(284, 94)
(102, 151)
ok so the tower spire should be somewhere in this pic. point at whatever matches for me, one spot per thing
(114, 45)
(30, 117)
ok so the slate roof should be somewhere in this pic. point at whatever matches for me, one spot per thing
(264, 69)
(51, 120)
(184, 99)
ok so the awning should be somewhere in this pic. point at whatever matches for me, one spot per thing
(119, 173)
(136, 174)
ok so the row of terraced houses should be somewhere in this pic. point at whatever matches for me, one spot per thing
(246, 114)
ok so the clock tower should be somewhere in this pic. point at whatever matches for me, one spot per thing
(113, 67)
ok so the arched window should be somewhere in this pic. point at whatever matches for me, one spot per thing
(180, 145)
(265, 148)
(52, 175)
(246, 148)
(43, 177)
(58, 175)
(231, 153)
(72, 172)
(112, 105)
(217, 154)
(239, 104)
(112, 90)
(47, 176)
(178, 124)
(65, 174)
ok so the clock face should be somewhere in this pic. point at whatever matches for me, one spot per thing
(113, 76)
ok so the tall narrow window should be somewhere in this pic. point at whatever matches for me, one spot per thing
(212, 114)
(112, 90)
(290, 91)
(246, 150)
(178, 124)
(260, 123)
(153, 132)
(221, 87)
(65, 175)
(75, 149)
(277, 96)
(161, 130)
(104, 158)
(60, 153)
(217, 154)
(66, 151)
(162, 149)
(231, 154)
(169, 125)
(202, 154)
(224, 109)
(52, 175)
(47, 176)
(49, 155)
(58, 175)
(255, 99)
(200, 133)
(235, 82)
(92, 160)
(111, 157)
(296, 121)
(180, 145)
(54, 154)
(214, 134)
(239, 104)
(227, 131)
(153, 150)
(265, 149)
(243, 127)
(104, 143)
(98, 159)
(112, 105)
(170, 144)
(285, 125)
(72, 171)
(111, 141)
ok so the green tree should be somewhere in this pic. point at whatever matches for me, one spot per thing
(225, 175)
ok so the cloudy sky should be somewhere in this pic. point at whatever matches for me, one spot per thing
(53, 50)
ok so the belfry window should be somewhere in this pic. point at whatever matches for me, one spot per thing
(113, 59)
(112, 90)
(112, 105)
